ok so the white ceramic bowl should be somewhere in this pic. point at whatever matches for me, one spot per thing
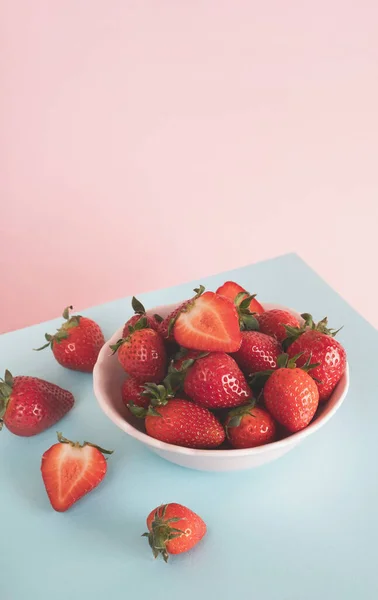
(108, 376)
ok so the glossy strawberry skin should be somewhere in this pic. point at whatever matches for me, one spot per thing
(193, 527)
(216, 381)
(79, 351)
(256, 428)
(132, 392)
(152, 323)
(272, 322)
(143, 356)
(35, 405)
(165, 324)
(184, 423)
(291, 397)
(258, 352)
(327, 351)
(230, 290)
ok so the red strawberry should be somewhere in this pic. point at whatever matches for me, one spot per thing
(319, 345)
(215, 381)
(230, 290)
(210, 323)
(132, 392)
(183, 423)
(70, 470)
(257, 352)
(142, 353)
(250, 426)
(153, 321)
(29, 405)
(173, 529)
(166, 326)
(291, 397)
(77, 343)
(273, 322)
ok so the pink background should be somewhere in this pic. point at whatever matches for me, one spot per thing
(146, 143)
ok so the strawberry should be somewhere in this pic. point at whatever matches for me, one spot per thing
(182, 423)
(291, 395)
(70, 470)
(215, 381)
(316, 341)
(173, 529)
(153, 321)
(167, 324)
(274, 322)
(250, 426)
(142, 353)
(180, 359)
(232, 290)
(29, 405)
(257, 352)
(210, 323)
(132, 391)
(77, 343)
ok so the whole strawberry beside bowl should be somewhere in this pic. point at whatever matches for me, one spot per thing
(77, 342)
(29, 405)
(109, 376)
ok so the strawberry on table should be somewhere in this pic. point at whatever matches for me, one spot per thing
(274, 322)
(215, 381)
(173, 529)
(232, 290)
(250, 426)
(29, 405)
(210, 323)
(142, 353)
(77, 343)
(257, 352)
(153, 321)
(291, 395)
(316, 341)
(71, 470)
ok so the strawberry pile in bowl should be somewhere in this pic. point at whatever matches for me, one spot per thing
(221, 382)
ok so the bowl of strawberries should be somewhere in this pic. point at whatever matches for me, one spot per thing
(221, 382)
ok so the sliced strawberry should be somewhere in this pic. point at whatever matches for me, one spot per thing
(209, 323)
(70, 470)
(230, 290)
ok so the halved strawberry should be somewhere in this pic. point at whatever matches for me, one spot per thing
(71, 470)
(230, 290)
(209, 323)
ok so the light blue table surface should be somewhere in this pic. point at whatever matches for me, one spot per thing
(304, 527)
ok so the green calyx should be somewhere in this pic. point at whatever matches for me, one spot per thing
(236, 414)
(6, 386)
(64, 440)
(258, 380)
(199, 291)
(247, 320)
(140, 324)
(63, 331)
(293, 333)
(139, 309)
(162, 532)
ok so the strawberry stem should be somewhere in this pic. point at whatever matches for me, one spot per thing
(64, 440)
(162, 532)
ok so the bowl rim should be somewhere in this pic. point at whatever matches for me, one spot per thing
(128, 428)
